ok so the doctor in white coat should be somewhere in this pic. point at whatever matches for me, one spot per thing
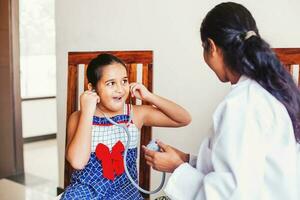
(253, 151)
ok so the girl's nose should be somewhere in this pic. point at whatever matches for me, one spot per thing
(119, 88)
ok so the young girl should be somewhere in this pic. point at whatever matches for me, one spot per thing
(93, 141)
(253, 152)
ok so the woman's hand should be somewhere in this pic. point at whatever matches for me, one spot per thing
(167, 160)
(88, 101)
(139, 91)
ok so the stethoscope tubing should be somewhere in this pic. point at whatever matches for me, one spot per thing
(124, 126)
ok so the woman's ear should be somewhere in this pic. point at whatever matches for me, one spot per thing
(212, 48)
(90, 87)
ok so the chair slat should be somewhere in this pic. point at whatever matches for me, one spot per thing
(85, 78)
(132, 76)
(71, 107)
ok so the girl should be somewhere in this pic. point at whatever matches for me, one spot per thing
(94, 143)
(253, 152)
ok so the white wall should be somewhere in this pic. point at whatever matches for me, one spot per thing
(171, 29)
(39, 117)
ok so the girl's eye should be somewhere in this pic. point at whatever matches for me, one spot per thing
(124, 82)
(110, 83)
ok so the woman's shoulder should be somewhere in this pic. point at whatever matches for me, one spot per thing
(251, 93)
(250, 98)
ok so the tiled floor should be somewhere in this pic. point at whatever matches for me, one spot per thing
(41, 159)
(10, 190)
(40, 180)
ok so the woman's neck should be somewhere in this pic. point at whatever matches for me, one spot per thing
(233, 77)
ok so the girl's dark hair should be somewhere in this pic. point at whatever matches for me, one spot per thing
(227, 25)
(95, 67)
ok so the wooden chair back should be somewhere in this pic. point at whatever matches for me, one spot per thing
(290, 58)
(139, 66)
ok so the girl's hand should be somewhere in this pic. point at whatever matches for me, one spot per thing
(167, 160)
(139, 91)
(88, 101)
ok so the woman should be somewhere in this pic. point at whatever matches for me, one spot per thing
(253, 151)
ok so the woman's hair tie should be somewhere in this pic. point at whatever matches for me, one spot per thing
(249, 34)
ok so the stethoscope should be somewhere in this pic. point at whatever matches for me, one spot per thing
(152, 145)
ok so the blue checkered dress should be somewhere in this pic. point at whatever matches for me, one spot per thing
(89, 182)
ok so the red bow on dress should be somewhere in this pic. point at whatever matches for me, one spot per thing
(111, 161)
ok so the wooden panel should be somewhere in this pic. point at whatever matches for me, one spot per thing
(4, 46)
(86, 82)
(7, 151)
(15, 50)
(299, 76)
(11, 143)
(128, 57)
(288, 68)
(4, 14)
(147, 76)
(289, 57)
(72, 89)
(132, 76)
(72, 103)
(146, 134)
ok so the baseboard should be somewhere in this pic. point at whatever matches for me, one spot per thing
(59, 190)
(39, 138)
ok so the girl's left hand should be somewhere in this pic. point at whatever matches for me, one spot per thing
(167, 160)
(139, 91)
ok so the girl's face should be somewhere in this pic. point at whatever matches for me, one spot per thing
(113, 88)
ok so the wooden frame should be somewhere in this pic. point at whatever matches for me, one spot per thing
(289, 57)
(11, 145)
(131, 58)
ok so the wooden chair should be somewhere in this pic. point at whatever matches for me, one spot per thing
(78, 62)
(290, 58)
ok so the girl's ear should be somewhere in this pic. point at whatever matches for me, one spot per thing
(90, 87)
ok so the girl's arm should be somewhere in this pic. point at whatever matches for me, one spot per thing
(79, 131)
(162, 113)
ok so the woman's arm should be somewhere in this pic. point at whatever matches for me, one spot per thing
(237, 160)
(161, 112)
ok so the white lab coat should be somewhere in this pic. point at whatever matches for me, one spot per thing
(251, 155)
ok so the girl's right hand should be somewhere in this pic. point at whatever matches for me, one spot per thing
(88, 101)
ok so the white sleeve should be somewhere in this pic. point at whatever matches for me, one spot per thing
(237, 159)
(184, 183)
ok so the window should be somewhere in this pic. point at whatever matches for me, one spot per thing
(37, 48)
(37, 66)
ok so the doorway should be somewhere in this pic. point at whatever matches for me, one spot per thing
(28, 97)
(38, 94)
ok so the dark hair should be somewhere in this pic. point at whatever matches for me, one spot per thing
(227, 25)
(95, 67)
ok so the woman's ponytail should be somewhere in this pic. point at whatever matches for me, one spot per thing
(261, 64)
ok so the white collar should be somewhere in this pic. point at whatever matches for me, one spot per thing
(241, 79)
